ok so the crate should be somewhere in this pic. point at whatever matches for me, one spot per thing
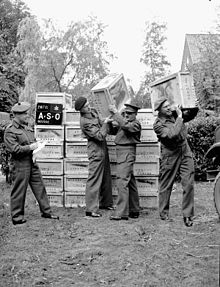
(56, 199)
(53, 183)
(74, 200)
(72, 167)
(76, 151)
(140, 168)
(51, 151)
(51, 166)
(178, 88)
(74, 134)
(146, 185)
(148, 135)
(149, 201)
(74, 184)
(71, 117)
(50, 134)
(146, 118)
(149, 152)
(55, 98)
(110, 90)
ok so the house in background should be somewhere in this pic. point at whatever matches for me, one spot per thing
(194, 46)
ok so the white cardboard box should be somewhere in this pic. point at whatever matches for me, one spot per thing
(178, 88)
(110, 90)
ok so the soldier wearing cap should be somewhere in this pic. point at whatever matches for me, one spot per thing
(99, 184)
(20, 142)
(128, 132)
(176, 157)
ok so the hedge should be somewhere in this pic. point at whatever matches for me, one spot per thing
(201, 136)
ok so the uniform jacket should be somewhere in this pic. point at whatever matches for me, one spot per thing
(172, 131)
(95, 131)
(17, 139)
(128, 133)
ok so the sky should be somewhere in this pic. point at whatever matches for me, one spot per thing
(125, 20)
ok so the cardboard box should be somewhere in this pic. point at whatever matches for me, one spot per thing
(56, 199)
(71, 117)
(146, 118)
(140, 169)
(74, 134)
(110, 90)
(76, 151)
(55, 98)
(53, 183)
(51, 166)
(73, 167)
(74, 200)
(51, 151)
(178, 88)
(75, 184)
(51, 134)
(146, 186)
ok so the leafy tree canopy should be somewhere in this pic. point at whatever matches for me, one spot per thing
(11, 69)
(62, 61)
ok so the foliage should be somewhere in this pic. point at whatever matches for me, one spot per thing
(11, 69)
(153, 58)
(206, 72)
(201, 133)
(62, 61)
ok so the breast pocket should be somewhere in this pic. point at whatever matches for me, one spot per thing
(22, 138)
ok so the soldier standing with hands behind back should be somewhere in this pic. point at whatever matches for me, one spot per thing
(176, 157)
(20, 142)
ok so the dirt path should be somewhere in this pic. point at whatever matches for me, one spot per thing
(80, 251)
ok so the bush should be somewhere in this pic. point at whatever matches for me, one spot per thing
(201, 136)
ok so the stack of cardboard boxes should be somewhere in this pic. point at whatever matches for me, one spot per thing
(49, 128)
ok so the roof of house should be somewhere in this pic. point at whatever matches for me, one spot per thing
(197, 44)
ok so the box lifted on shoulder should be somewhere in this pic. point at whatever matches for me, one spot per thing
(178, 88)
(110, 90)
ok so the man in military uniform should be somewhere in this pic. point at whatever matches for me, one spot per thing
(99, 184)
(176, 157)
(20, 142)
(128, 132)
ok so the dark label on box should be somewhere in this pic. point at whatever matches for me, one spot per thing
(49, 114)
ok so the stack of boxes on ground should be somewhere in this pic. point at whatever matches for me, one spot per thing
(50, 128)
(112, 90)
(63, 160)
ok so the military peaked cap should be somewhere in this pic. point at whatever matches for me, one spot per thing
(131, 108)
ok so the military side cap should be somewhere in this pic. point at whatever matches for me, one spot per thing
(131, 108)
(159, 102)
(79, 103)
(21, 107)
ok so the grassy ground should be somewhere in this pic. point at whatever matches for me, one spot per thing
(80, 251)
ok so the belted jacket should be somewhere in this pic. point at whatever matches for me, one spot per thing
(17, 139)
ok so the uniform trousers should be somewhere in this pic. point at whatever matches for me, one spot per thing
(172, 162)
(99, 182)
(27, 172)
(128, 199)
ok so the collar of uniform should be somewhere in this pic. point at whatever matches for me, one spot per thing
(17, 124)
